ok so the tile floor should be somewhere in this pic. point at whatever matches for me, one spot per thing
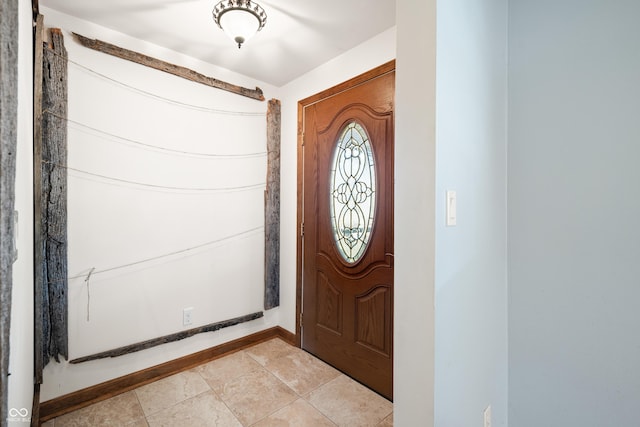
(270, 384)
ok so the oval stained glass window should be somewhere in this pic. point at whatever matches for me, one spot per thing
(352, 192)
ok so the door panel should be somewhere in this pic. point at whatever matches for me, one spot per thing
(328, 305)
(372, 319)
(347, 301)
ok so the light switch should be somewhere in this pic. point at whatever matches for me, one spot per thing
(451, 208)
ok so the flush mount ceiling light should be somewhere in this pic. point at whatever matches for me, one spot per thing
(240, 19)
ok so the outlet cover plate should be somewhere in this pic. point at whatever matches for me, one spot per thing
(187, 316)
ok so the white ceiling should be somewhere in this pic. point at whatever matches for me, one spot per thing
(299, 35)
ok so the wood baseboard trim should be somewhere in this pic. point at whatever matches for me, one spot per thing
(35, 406)
(79, 399)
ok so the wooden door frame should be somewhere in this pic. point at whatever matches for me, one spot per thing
(328, 93)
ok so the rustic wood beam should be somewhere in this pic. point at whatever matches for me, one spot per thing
(54, 199)
(8, 144)
(272, 208)
(168, 338)
(37, 199)
(167, 67)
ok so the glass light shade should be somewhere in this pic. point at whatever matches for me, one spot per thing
(239, 24)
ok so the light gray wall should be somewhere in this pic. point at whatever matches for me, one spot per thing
(574, 211)
(471, 266)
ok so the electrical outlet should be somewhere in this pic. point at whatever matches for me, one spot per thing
(187, 316)
(487, 416)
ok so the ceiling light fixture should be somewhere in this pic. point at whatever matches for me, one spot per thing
(240, 19)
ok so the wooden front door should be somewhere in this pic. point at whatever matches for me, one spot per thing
(347, 227)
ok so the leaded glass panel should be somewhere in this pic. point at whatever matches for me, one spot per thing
(352, 192)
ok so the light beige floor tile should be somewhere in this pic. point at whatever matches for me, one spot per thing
(204, 410)
(350, 404)
(301, 371)
(387, 422)
(142, 422)
(121, 410)
(256, 395)
(49, 423)
(220, 371)
(298, 414)
(168, 391)
(258, 387)
(270, 350)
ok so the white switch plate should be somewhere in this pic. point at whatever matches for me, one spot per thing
(451, 208)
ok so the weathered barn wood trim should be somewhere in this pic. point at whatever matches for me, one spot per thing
(167, 67)
(169, 338)
(53, 203)
(272, 208)
(8, 144)
(37, 198)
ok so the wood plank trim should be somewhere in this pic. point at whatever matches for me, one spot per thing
(212, 327)
(38, 38)
(53, 200)
(272, 209)
(88, 396)
(167, 67)
(9, 45)
(37, 199)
